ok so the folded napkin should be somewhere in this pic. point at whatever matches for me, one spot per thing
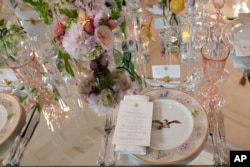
(126, 149)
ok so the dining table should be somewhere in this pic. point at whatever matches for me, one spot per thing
(78, 140)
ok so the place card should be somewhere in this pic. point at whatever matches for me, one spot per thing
(7, 74)
(134, 123)
(161, 71)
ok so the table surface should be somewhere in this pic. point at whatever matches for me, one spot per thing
(77, 143)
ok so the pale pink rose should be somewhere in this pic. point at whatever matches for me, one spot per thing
(105, 37)
(59, 29)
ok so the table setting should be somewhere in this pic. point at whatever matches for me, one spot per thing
(131, 82)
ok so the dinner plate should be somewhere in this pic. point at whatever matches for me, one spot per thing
(14, 116)
(196, 140)
(3, 116)
(172, 124)
(236, 29)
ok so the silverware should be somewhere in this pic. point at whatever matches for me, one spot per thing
(107, 130)
(224, 152)
(16, 151)
(213, 132)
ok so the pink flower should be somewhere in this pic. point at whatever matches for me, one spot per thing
(112, 24)
(77, 42)
(59, 29)
(105, 37)
(89, 26)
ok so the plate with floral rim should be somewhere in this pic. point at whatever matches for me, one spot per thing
(14, 116)
(193, 144)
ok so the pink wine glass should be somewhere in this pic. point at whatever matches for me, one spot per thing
(214, 56)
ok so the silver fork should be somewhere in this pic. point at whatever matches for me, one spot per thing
(107, 129)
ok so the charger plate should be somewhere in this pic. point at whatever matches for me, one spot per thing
(193, 144)
(12, 118)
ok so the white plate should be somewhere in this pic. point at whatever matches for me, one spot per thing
(193, 144)
(3, 116)
(238, 28)
(14, 117)
(177, 124)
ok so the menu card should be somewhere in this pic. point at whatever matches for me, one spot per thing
(133, 125)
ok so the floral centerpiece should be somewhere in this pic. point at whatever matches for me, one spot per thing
(83, 32)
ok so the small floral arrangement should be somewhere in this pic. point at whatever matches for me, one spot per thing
(83, 32)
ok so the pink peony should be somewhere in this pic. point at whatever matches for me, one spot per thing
(59, 29)
(77, 42)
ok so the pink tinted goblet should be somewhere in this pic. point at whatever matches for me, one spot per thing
(214, 56)
(22, 60)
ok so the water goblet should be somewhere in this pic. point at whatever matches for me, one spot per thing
(203, 2)
(214, 56)
(170, 38)
(21, 58)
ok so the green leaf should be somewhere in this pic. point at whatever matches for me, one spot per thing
(69, 13)
(23, 99)
(123, 28)
(65, 57)
(37, 106)
(118, 57)
(43, 10)
(118, 4)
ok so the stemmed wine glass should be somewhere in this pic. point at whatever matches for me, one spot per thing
(214, 56)
(170, 37)
(203, 2)
(218, 16)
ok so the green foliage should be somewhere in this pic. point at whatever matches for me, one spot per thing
(64, 61)
(128, 66)
(43, 10)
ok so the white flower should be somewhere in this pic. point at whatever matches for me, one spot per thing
(77, 42)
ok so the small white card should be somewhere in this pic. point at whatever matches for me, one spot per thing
(161, 71)
(7, 74)
(134, 123)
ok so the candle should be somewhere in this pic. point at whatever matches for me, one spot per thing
(185, 36)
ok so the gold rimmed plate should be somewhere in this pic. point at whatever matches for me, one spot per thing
(13, 117)
(188, 148)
